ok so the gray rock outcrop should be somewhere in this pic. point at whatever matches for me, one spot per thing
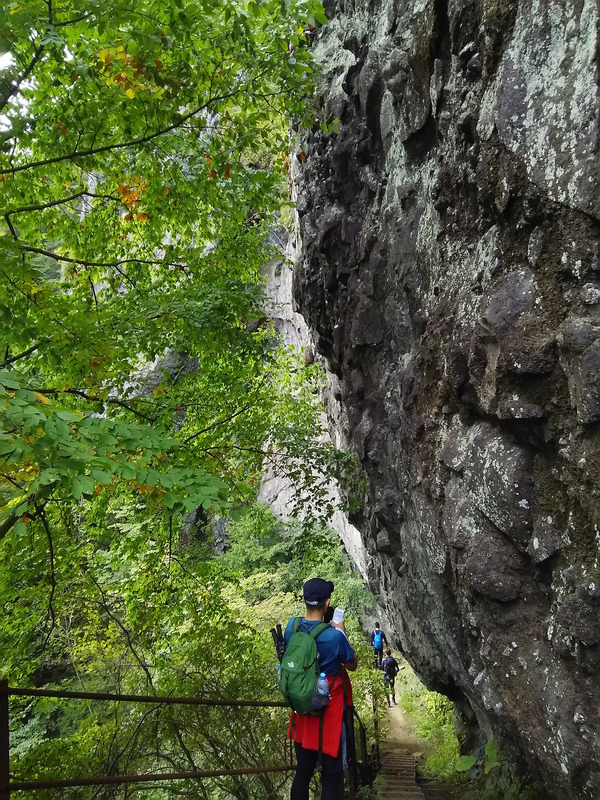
(450, 273)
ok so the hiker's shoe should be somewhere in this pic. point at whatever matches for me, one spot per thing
(389, 704)
(394, 699)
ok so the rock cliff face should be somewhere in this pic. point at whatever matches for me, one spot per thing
(450, 273)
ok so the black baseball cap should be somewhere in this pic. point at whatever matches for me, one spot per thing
(316, 591)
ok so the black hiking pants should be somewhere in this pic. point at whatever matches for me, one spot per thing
(332, 776)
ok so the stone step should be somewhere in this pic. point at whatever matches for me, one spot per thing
(398, 773)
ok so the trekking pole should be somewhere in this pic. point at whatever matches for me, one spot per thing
(4, 743)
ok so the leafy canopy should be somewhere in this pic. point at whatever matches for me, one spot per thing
(142, 160)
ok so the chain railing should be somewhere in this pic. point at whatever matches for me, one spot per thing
(360, 771)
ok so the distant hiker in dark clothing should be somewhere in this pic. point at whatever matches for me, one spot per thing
(335, 657)
(390, 668)
(378, 639)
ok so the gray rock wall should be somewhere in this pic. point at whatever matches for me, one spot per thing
(450, 273)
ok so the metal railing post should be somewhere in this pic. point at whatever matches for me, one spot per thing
(4, 743)
(376, 727)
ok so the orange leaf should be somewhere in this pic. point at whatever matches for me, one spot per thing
(142, 217)
(158, 63)
(227, 171)
(212, 173)
(208, 159)
(41, 399)
(301, 156)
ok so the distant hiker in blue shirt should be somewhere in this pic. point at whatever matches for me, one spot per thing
(378, 639)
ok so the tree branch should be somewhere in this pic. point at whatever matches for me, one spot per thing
(39, 494)
(104, 605)
(218, 423)
(24, 354)
(109, 264)
(81, 18)
(62, 201)
(7, 525)
(22, 77)
(122, 145)
(50, 613)
(92, 399)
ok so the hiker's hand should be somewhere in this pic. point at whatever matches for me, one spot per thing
(339, 625)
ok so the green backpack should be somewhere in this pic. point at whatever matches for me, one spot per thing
(300, 667)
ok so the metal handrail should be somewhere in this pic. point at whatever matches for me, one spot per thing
(144, 698)
(149, 778)
(7, 786)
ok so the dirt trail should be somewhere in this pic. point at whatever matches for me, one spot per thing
(402, 734)
(402, 739)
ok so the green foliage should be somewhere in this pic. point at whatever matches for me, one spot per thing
(143, 157)
(139, 612)
(502, 784)
(465, 763)
(142, 162)
(433, 717)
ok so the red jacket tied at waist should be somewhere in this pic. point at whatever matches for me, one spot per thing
(304, 728)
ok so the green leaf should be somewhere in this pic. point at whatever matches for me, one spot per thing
(492, 751)
(100, 476)
(48, 476)
(319, 13)
(81, 485)
(465, 763)
(68, 416)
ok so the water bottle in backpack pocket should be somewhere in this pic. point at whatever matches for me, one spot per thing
(321, 693)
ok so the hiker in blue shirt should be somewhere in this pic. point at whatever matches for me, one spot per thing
(336, 655)
(378, 639)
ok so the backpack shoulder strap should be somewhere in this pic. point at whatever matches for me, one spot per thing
(318, 629)
(296, 624)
